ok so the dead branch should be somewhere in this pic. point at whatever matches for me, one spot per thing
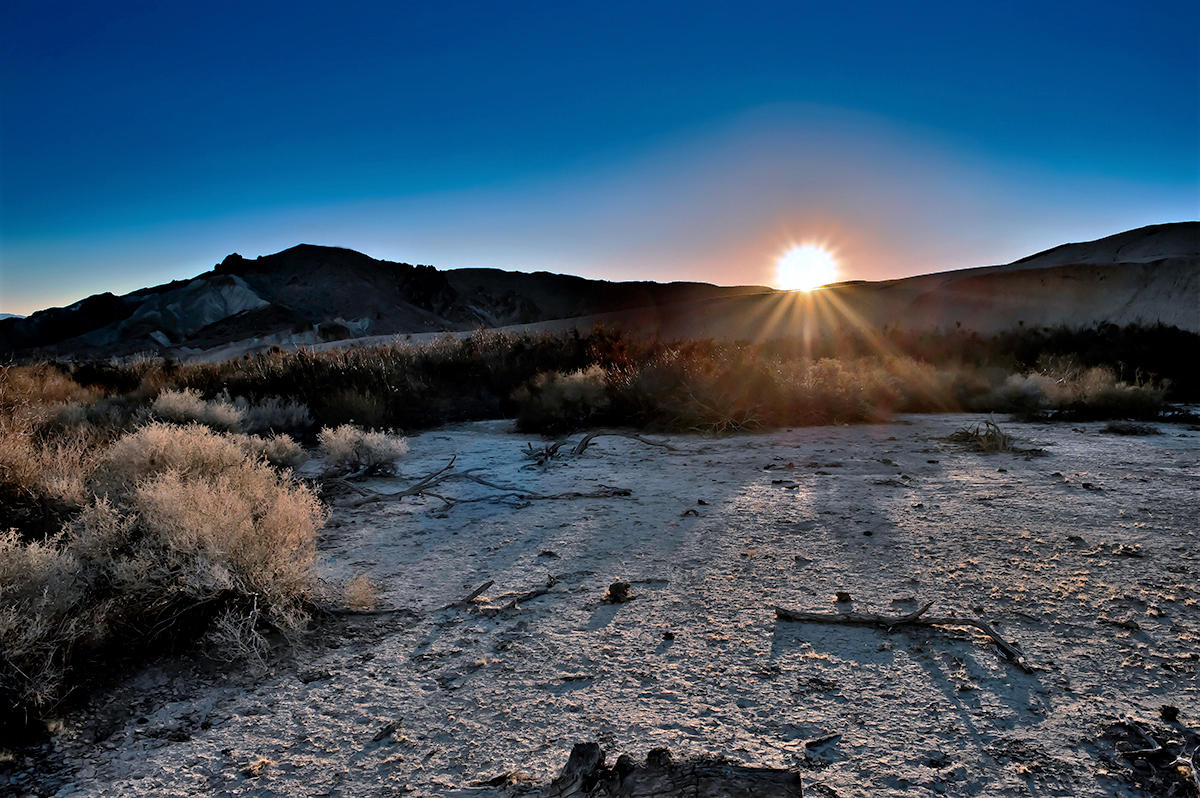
(474, 594)
(918, 618)
(547, 453)
(426, 484)
(1155, 749)
(532, 594)
(591, 436)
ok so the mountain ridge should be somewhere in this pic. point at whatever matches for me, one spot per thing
(309, 294)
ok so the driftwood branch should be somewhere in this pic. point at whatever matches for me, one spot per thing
(550, 451)
(474, 594)
(1011, 652)
(531, 594)
(425, 486)
(586, 441)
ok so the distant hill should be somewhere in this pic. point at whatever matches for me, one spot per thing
(10, 316)
(308, 295)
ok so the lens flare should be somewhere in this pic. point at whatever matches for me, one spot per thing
(805, 267)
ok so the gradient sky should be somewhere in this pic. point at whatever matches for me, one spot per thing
(142, 142)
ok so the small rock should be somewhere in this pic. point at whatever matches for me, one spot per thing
(618, 592)
(843, 597)
(1169, 713)
(668, 635)
(548, 553)
(385, 731)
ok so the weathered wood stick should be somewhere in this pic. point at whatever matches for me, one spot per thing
(532, 594)
(918, 618)
(425, 486)
(474, 594)
(591, 436)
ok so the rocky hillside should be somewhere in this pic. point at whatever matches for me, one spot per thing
(308, 294)
(311, 294)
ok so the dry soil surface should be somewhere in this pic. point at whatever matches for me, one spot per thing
(1086, 556)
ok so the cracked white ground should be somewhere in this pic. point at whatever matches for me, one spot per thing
(1087, 557)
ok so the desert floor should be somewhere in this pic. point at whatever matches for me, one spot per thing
(1086, 556)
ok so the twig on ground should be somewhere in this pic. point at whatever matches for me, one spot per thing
(1146, 753)
(532, 594)
(591, 436)
(425, 485)
(918, 618)
(549, 452)
(474, 594)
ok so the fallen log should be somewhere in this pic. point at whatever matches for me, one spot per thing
(662, 776)
(1010, 652)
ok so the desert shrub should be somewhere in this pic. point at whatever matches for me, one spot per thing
(361, 593)
(348, 448)
(40, 616)
(43, 480)
(193, 450)
(274, 413)
(247, 532)
(557, 401)
(279, 450)
(189, 533)
(986, 437)
(1064, 388)
(354, 406)
(188, 406)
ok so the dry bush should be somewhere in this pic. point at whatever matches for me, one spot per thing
(361, 593)
(985, 437)
(348, 448)
(247, 531)
(557, 401)
(190, 532)
(34, 393)
(43, 480)
(278, 450)
(1066, 389)
(194, 450)
(274, 414)
(39, 618)
(187, 406)
(354, 406)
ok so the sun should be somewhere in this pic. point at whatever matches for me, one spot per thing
(805, 267)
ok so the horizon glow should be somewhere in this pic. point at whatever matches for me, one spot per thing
(143, 143)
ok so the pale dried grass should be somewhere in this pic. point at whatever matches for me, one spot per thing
(348, 448)
(187, 406)
(361, 593)
(185, 522)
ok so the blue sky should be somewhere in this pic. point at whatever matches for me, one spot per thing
(141, 142)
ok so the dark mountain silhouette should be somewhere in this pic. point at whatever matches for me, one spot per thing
(312, 294)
